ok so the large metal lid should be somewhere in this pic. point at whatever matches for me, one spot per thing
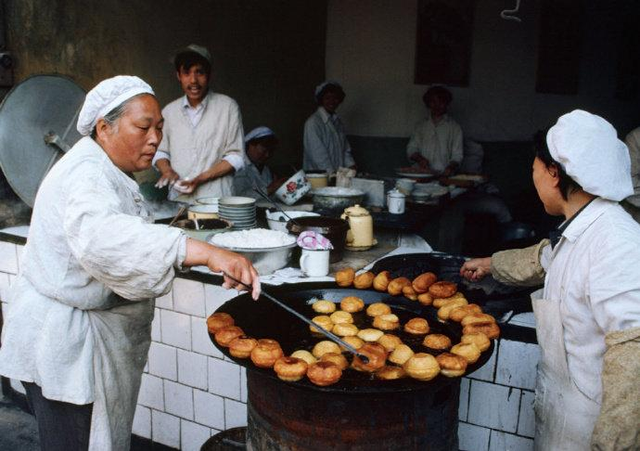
(37, 125)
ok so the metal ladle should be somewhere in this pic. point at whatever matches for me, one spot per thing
(275, 204)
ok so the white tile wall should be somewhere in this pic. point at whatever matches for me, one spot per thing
(235, 414)
(151, 392)
(166, 301)
(19, 252)
(162, 361)
(156, 333)
(517, 364)
(178, 399)
(200, 341)
(176, 329)
(487, 371)
(463, 407)
(243, 384)
(501, 441)
(473, 438)
(193, 435)
(142, 422)
(494, 406)
(8, 258)
(165, 429)
(188, 297)
(209, 409)
(224, 378)
(4, 286)
(527, 419)
(216, 296)
(192, 369)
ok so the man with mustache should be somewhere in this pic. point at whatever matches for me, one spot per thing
(203, 137)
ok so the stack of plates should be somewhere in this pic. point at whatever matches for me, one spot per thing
(241, 211)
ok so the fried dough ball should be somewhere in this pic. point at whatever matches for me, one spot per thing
(438, 342)
(443, 289)
(355, 342)
(345, 330)
(410, 293)
(445, 310)
(217, 321)
(467, 350)
(386, 322)
(460, 312)
(390, 372)
(345, 277)
(337, 359)
(341, 317)
(381, 281)
(325, 307)
(352, 304)
(370, 335)
(389, 341)
(378, 308)
(441, 302)
(266, 352)
(401, 354)
(477, 338)
(364, 281)
(377, 357)
(225, 335)
(290, 369)
(396, 285)
(417, 326)
(422, 366)
(477, 318)
(451, 365)
(324, 373)
(304, 355)
(241, 347)
(323, 347)
(491, 330)
(422, 283)
(425, 299)
(323, 321)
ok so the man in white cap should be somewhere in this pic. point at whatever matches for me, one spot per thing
(326, 147)
(588, 314)
(78, 327)
(202, 145)
(261, 143)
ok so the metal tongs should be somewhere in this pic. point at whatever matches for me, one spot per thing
(275, 204)
(319, 328)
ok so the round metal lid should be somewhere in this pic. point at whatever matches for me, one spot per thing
(37, 125)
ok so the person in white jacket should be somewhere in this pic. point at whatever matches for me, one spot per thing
(78, 326)
(588, 314)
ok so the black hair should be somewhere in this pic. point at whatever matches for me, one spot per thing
(270, 142)
(566, 184)
(437, 91)
(331, 87)
(188, 59)
(112, 116)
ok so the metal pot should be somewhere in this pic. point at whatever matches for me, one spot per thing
(335, 230)
(336, 198)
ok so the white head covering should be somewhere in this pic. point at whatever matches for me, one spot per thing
(107, 95)
(323, 85)
(588, 148)
(200, 50)
(258, 132)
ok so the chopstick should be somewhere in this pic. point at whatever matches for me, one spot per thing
(319, 328)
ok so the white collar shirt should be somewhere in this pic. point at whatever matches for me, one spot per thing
(440, 143)
(326, 146)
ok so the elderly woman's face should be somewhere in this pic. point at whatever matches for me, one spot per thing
(133, 140)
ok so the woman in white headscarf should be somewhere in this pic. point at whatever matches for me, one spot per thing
(588, 314)
(78, 327)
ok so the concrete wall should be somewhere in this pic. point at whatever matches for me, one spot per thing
(267, 55)
(371, 51)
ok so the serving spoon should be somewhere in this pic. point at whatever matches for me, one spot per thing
(275, 204)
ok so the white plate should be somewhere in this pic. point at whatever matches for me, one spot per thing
(415, 175)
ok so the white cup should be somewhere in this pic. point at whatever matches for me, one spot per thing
(395, 202)
(315, 263)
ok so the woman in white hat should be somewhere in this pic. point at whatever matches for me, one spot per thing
(588, 313)
(78, 327)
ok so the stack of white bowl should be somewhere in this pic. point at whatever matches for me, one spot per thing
(241, 211)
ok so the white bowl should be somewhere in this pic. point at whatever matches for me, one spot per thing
(207, 200)
(236, 201)
(278, 221)
(202, 212)
(294, 188)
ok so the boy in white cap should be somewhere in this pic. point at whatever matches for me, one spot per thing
(588, 314)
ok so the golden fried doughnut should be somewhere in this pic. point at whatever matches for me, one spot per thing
(323, 321)
(409, 293)
(381, 281)
(425, 299)
(396, 285)
(441, 302)
(355, 342)
(304, 355)
(477, 318)
(467, 350)
(377, 358)
(217, 321)
(352, 304)
(345, 330)
(323, 347)
(345, 277)
(364, 281)
(422, 366)
(451, 365)
(337, 359)
(417, 326)
(437, 341)
(324, 373)
(378, 308)
(443, 289)
(478, 338)
(401, 354)
(445, 310)
(422, 283)
(341, 317)
(389, 341)
(290, 369)
(390, 372)
(370, 334)
(386, 322)
(266, 352)
(491, 330)
(241, 347)
(460, 312)
(323, 306)
(225, 335)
